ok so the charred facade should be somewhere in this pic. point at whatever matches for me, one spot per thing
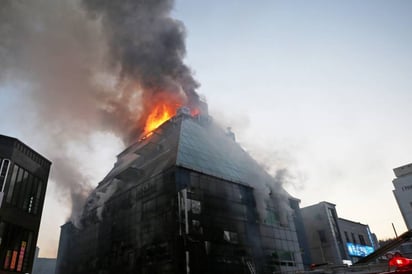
(185, 199)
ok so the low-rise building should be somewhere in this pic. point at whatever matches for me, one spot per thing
(358, 240)
(335, 240)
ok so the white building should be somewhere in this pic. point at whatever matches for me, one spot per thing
(403, 192)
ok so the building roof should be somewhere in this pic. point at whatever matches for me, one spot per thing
(209, 149)
(403, 170)
(195, 143)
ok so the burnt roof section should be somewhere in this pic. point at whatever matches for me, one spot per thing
(195, 143)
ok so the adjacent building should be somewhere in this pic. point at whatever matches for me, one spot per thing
(44, 266)
(335, 240)
(23, 181)
(403, 192)
(403, 195)
(358, 239)
(185, 199)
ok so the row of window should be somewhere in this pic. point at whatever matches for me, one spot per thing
(25, 190)
(353, 240)
(408, 187)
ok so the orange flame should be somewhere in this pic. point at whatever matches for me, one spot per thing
(159, 114)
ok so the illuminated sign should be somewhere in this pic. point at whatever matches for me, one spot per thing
(358, 250)
(21, 255)
(13, 260)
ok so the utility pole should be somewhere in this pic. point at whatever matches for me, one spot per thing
(396, 234)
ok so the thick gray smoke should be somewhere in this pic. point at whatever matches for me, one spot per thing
(90, 66)
(146, 42)
(147, 46)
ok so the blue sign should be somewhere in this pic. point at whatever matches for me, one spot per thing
(358, 250)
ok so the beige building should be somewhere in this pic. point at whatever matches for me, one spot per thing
(403, 192)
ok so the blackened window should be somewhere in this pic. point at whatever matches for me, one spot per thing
(362, 240)
(347, 237)
(17, 186)
(283, 257)
(230, 236)
(22, 190)
(353, 238)
(12, 183)
(322, 236)
(196, 227)
(28, 192)
(37, 198)
(149, 207)
(25, 190)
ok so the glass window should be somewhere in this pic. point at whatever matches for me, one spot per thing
(4, 166)
(283, 257)
(362, 240)
(12, 183)
(28, 192)
(22, 190)
(353, 238)
(25, 190)
(346, 237)
(37, 199)
(17, 187)
(272, 218)
(4, 169)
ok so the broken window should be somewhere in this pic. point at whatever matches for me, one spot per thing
(230, 236)
(194, 206)
(283, 257)
(196, 227)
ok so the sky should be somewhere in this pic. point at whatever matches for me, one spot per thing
(320, 88)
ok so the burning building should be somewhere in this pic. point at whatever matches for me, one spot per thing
(185, 198)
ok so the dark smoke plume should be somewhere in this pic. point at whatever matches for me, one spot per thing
(90, 66)
(147, 46)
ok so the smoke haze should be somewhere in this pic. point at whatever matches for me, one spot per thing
(90, 66)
